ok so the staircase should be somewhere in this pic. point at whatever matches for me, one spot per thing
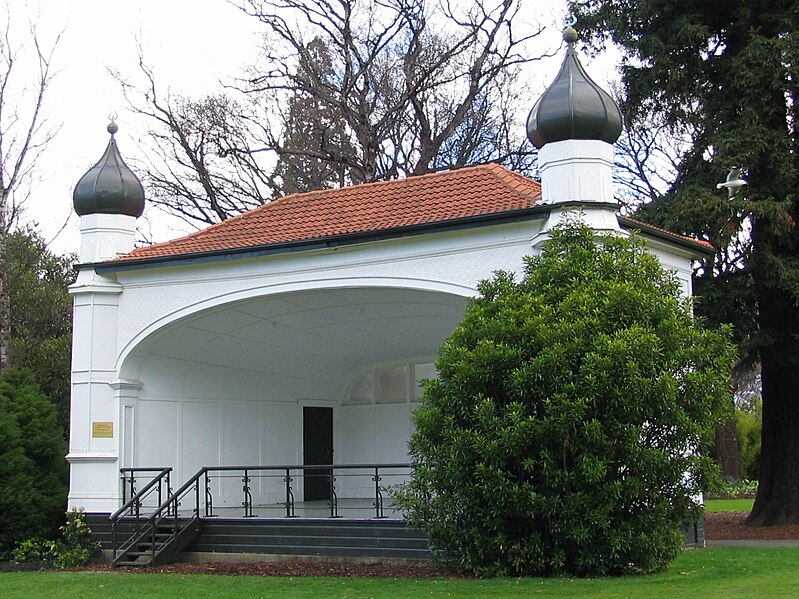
(158, 544)
(322, 538)
(153, 539)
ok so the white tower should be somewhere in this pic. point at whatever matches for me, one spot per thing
(574, 125)
(108, 199)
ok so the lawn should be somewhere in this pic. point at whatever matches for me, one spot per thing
(706, 573)
(729, 505)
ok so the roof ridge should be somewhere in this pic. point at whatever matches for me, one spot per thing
(514, 179)
(383, 182)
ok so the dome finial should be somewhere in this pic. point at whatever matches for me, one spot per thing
(112, 126)
(569, 32)
(573, 106)
(109, 187)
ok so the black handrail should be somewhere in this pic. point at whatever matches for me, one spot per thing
(166, 509)
(132, 479)
(133, 505)
(170, 508)
(139, 495)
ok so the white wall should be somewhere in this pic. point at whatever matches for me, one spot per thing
(209, 364)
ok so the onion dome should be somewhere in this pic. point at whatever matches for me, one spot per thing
(109, 187)
(573, 107)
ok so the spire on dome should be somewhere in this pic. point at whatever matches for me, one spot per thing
(109, 187)
(573, 107)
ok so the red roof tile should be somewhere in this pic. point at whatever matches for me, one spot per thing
(435, 198)
(474, 191)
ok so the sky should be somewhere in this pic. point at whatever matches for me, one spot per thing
(192, 45)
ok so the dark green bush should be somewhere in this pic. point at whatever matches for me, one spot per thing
(33, 471)
(566, 431)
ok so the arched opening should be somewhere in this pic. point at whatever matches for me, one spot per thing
(229, 385)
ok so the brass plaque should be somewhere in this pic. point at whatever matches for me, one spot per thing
(102, 430)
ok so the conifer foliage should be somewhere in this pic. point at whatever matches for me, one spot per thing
(567, 430)
(33, 472)
(727, 73)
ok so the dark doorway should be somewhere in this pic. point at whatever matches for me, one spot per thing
(317, 448)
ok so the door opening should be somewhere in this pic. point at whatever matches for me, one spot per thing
(317, 448)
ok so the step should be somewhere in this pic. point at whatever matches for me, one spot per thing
(131, 564)
(227, 538)
(305, 550)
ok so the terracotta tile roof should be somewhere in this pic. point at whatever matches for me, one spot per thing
(435, 198)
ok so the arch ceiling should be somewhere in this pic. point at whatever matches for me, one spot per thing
(318, 337)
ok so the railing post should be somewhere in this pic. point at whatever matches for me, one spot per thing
(176, 515)
(247, 503)
(168, 488)
(209, 499)
(289, 495)
(132, 483)
(197, 497)
(114, 538)
(152, 546)
(378, 494)
(333, 495)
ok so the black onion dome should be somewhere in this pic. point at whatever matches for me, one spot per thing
(109, 187)
(573, 107)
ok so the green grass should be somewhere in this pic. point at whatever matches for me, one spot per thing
(706, 573)
(729, 505)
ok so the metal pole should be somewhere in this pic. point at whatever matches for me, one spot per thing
(378, 494)
(209, 500)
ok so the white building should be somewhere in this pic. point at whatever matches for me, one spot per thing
(297, 332)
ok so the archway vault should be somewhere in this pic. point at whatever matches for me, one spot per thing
(225, 385)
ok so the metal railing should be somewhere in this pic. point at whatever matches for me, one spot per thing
(272, 490)
(131, 508)
(354, 489)
(133, 476)
(195, 498)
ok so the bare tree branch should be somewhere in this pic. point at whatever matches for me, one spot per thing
(405, 77)
(343, 92)
(25, 76)
(201, 164)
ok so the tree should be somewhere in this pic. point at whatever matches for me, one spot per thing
(33, 472)
(200, 165)
(408, 82)
(728, 71)
(24, 135)
(648, 154)
(343, 92)
(41, 315)
(568, 428)
(311, 130)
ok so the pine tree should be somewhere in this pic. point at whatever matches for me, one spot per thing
(727, 71)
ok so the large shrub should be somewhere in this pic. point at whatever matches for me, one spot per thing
(33, 471)
(566, 431)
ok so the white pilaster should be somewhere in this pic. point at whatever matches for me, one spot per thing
(94, 443)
